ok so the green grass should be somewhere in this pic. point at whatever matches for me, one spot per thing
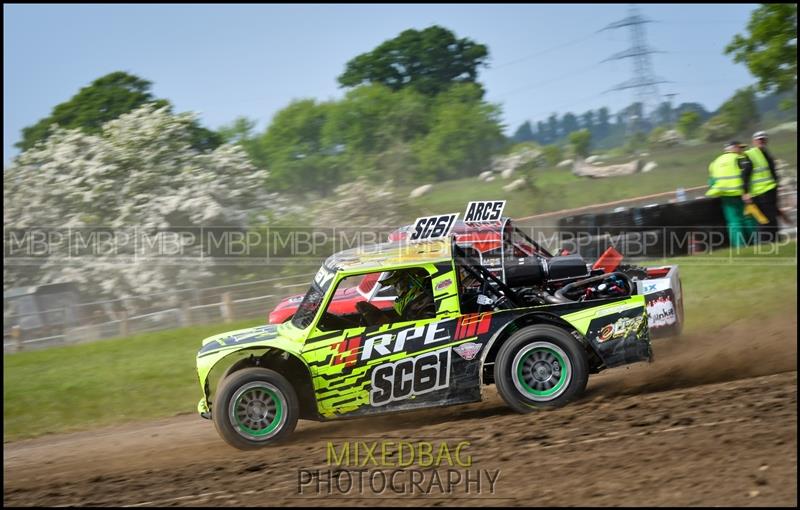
(153, 375)
(554, 189)
(105, 382)
(753, 283)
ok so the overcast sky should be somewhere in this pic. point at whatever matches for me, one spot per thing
(225, 61)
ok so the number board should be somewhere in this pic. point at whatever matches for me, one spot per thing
(490, 210)
(432, 227)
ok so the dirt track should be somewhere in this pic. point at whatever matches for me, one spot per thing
(713, 421)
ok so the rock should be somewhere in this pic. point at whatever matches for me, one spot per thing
(515, 185)
(592, 159)
(581, 169)
(787, 126)
(507, 173)
(644, 154)
(490, 178)
(565, 163)
(485, 175)
(418, 192)
(651, 165)
(670, 138)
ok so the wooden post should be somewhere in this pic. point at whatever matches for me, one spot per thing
(123, 325)
(227, 307)
(16, 334)
(186, 315)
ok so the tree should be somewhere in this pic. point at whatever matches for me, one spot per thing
(689, 123)
(553, 154)
(371, 118)
(769, 49)
(717, 129)
(103, 100)
(429, 61)
(524, 133)
(693, 107)
(569, 123)
(465, 133)
(294, 152)
(137, 177)
(541, 132)
(663, 114)
(740, 111)
(587, 121)
(552, 128)
(581, 142)
(603, 122)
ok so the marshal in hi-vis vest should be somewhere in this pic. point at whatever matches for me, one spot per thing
(762, 180)
(725, 176)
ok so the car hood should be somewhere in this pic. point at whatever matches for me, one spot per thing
(234, 339)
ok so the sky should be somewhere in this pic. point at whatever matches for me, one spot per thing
(227, 61)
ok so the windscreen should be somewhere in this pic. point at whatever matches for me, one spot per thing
(313, 299)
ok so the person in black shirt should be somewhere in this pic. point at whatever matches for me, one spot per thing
(761, 185)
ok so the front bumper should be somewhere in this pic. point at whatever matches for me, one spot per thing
(202, 408)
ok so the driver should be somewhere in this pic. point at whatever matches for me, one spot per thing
(414, 298)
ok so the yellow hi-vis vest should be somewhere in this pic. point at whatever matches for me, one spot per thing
(761, 181)
(725, 176)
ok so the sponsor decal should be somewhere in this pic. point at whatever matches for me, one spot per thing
(491, 262)
(323, 277)
(621, 329)
(472, 325)
(484, 211)
(661, 312)
(468, 351)
(649, 287)
(410, 339)
(409, 377)
(432, 227)
(347, 352)
(444, 284)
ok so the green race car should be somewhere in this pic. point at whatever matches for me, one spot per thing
(459, 328)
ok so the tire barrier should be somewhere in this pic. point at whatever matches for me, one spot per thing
(652, 231)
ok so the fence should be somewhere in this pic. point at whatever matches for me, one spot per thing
(108, 319)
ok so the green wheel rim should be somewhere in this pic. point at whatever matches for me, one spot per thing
(541, 371)
(257, 410)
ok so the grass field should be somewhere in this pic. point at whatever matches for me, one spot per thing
(153, 375)
(554, 189)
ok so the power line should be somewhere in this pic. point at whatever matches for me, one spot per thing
(543, 52)
(547, 82)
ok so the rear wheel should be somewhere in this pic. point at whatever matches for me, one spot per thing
(255, 407)
(540, 366)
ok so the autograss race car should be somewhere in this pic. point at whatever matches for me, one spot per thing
(499, 243)
(478, 330)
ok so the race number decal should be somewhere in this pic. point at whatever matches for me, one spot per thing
(484, 211)
(409, 377)
(433, 227)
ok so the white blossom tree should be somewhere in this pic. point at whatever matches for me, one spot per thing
(139, 175)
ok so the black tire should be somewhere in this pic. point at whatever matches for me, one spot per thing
(536, 356)
(242, 398)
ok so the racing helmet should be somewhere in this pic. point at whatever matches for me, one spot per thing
(402, 280)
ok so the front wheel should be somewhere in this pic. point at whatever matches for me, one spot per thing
(540, 366)
(255, 407)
